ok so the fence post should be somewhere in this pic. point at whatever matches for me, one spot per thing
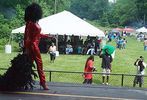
(122, 80)
(50, 76)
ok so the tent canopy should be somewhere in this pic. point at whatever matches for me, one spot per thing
(65, 23)
(128, 30)
(117, 29)
(142, 29)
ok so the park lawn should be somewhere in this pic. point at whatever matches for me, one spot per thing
(122, 63)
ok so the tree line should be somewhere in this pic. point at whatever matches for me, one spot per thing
(120, 14)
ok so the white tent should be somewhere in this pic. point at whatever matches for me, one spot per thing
(65, 23)
(142, 29)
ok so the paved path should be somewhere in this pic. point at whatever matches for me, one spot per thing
(60, 91)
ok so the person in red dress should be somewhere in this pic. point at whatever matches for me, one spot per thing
(31, 39)
(89, 68)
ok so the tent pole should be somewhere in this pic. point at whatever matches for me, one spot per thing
(55, 6)
(56, 42)
(9, 42)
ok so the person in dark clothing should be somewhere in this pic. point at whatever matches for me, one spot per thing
(106, 66)
(140, 66)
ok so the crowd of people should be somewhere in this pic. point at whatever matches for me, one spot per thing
(78, 45)
(107, 60)
(90, 45)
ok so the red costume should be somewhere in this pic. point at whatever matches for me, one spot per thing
(31, 41)
(88, 68)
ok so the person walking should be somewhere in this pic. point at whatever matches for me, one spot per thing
(31, 39)
(52, 52)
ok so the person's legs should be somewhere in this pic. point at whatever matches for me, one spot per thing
(145, 48)
(124, 46)
(85, 81)
(134, 83)
(107, 80)
(103, 79)
(67, 50)
(136, 80)
(140, 84)
(89, 81)
(140, 81)
(54, 56)
(88, 52)
(108, 75)
(92, 51)
(50, 57)
(103, 75)
(37, 57)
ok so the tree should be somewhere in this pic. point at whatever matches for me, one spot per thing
(89, 9)
(128, 12)
(141, 6)
(4, 27)
(122, 13)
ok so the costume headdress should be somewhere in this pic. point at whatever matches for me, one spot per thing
(33, 13)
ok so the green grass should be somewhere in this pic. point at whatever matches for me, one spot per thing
(122, 64)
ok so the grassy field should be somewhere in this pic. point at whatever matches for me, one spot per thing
(123, 61)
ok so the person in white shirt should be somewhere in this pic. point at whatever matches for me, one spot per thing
(140, 65)
(52, 52)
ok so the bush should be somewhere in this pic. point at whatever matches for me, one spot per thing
(5, 41)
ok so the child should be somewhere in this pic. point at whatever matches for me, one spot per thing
(88, 69)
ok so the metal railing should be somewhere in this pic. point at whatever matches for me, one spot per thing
(76, 77)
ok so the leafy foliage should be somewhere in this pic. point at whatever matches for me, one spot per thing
(121, 13)
(128, 12)
(89, 9)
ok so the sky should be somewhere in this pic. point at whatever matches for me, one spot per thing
(112, 0)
